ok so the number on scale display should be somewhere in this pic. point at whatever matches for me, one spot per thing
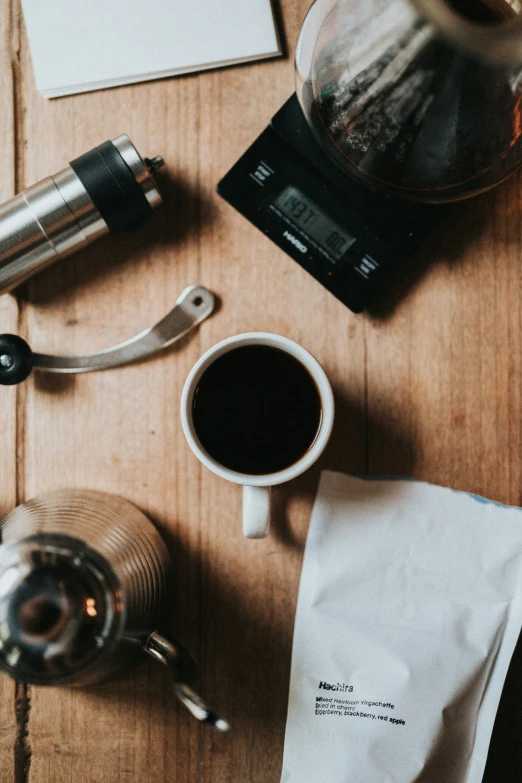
(316, 223)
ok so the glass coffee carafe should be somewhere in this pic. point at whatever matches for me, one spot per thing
(420, 97)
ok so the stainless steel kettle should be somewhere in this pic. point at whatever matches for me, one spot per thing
(83, 579)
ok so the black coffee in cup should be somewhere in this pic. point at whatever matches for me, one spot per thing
(256, 410)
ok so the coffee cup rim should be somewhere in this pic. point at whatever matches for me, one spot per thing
(320, 379)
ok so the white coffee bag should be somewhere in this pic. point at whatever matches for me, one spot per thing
(409, 610)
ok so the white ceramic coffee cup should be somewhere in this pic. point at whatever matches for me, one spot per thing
(257, 488)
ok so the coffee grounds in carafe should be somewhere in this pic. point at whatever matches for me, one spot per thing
(423, 118)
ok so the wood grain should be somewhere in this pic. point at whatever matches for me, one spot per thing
(427, 384)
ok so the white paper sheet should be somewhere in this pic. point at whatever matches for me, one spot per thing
(409, 610)
(81, 46)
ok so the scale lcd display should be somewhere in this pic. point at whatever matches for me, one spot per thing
(316, 223)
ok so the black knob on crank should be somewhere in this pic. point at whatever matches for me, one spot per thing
(16, 360)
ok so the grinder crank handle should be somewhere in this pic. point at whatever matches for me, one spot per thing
(193, 306)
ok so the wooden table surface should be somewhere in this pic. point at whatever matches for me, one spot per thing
(427, 385)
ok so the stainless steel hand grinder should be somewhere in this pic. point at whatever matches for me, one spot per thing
(109, 189)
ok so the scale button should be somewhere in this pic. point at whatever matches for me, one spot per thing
(261, 173)
(366, 267)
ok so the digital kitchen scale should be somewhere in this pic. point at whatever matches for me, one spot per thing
(349, 237)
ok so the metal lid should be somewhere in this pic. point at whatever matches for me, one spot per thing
(119, 183)
(59, 608)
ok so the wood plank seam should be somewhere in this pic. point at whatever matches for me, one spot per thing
(22, 749)
(19, 184)
(17, 77)
(22, 706)
(200, 578)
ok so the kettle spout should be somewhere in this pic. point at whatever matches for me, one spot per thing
(172, 655)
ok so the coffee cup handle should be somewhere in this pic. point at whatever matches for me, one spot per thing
(256, 511)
